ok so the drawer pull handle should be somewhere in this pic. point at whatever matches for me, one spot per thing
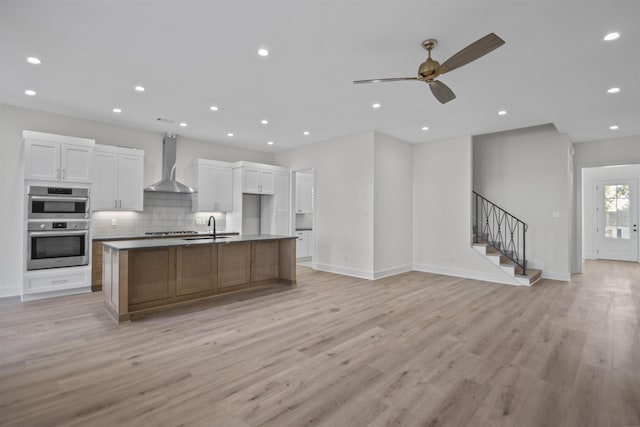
(59, 281)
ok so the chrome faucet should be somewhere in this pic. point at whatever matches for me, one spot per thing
(213, 229)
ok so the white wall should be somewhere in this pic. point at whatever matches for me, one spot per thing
(442, 172)
(527, 172)
(343, 201)
(590, 176)
(614, 151)
(14, 120)
(393, 205)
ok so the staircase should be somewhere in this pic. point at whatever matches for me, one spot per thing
(501, 238)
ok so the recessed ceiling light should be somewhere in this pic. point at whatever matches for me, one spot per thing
(425, 127)
(230, 134)
(611, 36)
(183, 124)
(306, 133)
(33, 60)
(614, 90)
(117, 110)
(502, 112)
(376, 105)
(270, 142)
(614, 127)
(30, 92)
(263, 52)
(213, 108)
(264, 122)
(139, 88)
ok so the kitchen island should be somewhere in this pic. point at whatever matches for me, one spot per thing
(143, 275)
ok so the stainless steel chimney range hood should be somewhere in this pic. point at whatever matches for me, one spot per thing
(168, 183)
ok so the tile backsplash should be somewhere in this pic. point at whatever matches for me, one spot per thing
(162, 212)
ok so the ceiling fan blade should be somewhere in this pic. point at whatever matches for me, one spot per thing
(472, 52)
(395, 79)
(441, 91)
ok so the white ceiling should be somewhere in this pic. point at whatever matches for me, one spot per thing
(554, 68)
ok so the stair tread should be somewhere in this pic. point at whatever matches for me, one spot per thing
(531, 273)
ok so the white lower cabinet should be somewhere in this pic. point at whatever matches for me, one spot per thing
(304, 244)
(59, 281)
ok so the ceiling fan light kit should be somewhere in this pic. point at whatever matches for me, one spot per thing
(431, 69)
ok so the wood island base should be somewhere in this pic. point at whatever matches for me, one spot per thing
(142, 279)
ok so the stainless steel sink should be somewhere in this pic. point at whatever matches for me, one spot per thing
(206, 238)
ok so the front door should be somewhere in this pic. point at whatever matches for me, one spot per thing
(617, 235)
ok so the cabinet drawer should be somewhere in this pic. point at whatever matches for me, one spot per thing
(48, 282)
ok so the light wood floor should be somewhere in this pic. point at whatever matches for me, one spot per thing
(415, 349)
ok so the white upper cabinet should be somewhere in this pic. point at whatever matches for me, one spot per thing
(118, 179)
(258, 181)
(282, 192)
(213, 181)
(50, 157)
(304, 194)
(281, 196)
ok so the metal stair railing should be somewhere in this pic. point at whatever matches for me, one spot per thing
(500, 230)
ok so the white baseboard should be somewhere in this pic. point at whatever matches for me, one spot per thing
(361, 274)
(10, 291)
(392, 271)
(556, 275)
(467, 274)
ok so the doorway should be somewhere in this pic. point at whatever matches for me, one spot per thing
(617, 220)
(610, 212)
(303, 204)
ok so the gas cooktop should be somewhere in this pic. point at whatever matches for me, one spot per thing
(170, 233)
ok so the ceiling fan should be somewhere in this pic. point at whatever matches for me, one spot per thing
(430, 69)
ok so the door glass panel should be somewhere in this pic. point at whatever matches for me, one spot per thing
(616, 211)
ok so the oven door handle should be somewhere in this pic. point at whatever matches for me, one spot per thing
(59, 199)
(58, 233)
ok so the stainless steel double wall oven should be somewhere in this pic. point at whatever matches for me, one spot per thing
(57, 227)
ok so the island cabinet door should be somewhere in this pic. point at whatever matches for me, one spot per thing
(151, 274)
(234, 264)
(264, 260)
(197, 269)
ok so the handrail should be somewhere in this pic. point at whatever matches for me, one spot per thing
(501, 230)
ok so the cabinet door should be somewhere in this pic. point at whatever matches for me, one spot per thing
(267, 182)
(75, 163)
(42, 160)
(302, 245)
(130, 183)
(105, 181)
(282, 192)
(224, 196)
(281, 224)
(206, 186)
(251, 180)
